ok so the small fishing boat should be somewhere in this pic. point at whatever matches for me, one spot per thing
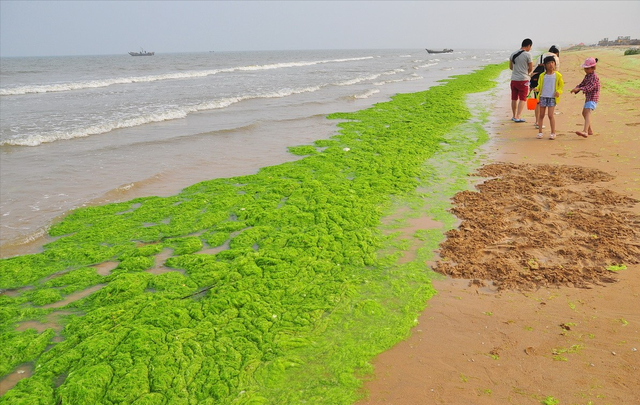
(141, 53)
(442, 51)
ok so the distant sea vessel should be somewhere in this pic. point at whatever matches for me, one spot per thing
(141, 53)
(442, 51)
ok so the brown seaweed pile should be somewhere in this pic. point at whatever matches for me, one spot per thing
(536, 225)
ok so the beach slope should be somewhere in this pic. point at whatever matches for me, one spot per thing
(569, 334)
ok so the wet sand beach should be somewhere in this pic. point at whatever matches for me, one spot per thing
(570, 333)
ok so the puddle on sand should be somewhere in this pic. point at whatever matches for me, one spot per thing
(52, 321)
(407, 231)
(159, 267)
(409, 225)
(59, 380)
(104, 269)
(416, 224)
(57, 339)
(215, 250)
(74, 297)
(38, 326)
(14, 292)
(22, 371)
(225, 245)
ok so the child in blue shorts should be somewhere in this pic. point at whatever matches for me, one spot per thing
(590, 86)
(548, 91)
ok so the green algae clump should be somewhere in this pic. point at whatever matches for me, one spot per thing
(291, 306)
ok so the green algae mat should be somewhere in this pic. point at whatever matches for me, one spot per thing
(277, 288)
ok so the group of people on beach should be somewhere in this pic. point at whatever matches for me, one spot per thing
(546, 83)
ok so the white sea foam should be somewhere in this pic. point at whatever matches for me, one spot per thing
(351, 82)
(71, 86)
(405, 79)
(367, 94)
(126, 187)
(40, 138)
(176, 113)
(58, 87)
(40, 232)
(426, 65)
(393, 72)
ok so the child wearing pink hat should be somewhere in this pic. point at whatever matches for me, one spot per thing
(590, 86)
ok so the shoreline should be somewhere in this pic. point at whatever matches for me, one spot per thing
(566, 344)
(197, 148)
(277, 267)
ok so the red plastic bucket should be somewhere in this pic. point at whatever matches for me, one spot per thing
(532, 103)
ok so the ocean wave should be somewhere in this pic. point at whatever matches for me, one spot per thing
(366, 94)
(405, 79)
(426, 65)
(125, 187)
(29, 237)
(393, 72)
(177, 113)
(89, 84)
(92, 84)
(357, 80)
(40, 138)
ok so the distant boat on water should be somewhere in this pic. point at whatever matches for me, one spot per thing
(141, 53)
(442, 51)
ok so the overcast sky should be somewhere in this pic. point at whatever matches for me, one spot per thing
(42, 28)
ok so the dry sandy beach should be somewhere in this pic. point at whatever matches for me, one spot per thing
(569, 205)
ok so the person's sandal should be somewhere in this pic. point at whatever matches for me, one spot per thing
(552, 136)
(539, 135)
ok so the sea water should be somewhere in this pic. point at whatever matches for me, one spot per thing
(81, 130)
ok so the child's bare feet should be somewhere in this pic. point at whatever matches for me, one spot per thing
(590, 133)
(582, 134)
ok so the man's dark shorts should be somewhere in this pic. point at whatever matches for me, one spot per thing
(519, 89)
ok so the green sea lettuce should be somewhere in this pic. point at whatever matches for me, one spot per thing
(304, 289)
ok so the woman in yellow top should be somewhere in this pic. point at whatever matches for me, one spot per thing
(548, 93)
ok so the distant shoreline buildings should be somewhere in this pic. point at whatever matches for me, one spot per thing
(620, 41)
